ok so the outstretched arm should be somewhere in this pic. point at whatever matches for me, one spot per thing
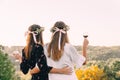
(42, 66)
(65, 70)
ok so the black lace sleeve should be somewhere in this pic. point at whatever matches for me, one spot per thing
(24, 67)
(41, 60)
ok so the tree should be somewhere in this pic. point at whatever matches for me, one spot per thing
(7, 70)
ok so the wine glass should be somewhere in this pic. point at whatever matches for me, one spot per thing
(16, 52)
(85, 36)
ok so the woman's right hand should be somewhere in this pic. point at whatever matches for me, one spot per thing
(85, 43)
(17, 56)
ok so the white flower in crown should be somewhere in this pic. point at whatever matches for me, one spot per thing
(42, 29)
(39, 30)
(53, 29)
(66, 28)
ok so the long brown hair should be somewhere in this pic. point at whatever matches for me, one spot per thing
(53, 50)
(30, 43)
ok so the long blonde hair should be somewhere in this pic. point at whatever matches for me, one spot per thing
(53, 48)
(30, 42)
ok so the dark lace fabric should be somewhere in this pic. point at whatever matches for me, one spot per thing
(37, 57)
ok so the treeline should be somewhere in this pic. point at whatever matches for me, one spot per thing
(103, 56)
(101, 52)
(93, 52)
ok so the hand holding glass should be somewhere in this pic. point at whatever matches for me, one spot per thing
(17, 55)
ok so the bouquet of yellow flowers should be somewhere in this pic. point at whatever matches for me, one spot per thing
(90, 73)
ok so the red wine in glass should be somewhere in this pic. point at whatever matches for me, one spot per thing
(85, 36)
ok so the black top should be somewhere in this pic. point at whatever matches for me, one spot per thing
(37, 57)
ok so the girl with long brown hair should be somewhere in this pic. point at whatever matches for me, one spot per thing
(61, 53)
(33, 56)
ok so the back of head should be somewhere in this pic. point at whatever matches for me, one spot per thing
(59, 38)
(34, 36)
(60, 25)
(36, 31)
(34, 27)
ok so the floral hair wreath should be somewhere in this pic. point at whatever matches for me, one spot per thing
(34, 33)
(39, 30)
(53, 29)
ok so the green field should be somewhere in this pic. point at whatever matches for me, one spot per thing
(106, 59)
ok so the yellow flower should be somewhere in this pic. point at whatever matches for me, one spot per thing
(90, 73)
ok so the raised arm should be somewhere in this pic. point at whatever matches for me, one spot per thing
(84, 48)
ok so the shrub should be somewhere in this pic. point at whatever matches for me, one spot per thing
(100, 70)
(7, 70)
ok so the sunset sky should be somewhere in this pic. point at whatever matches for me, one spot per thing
(100, 19)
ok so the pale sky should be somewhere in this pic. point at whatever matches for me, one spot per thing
(100, 19)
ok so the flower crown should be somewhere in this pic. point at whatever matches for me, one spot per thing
(53, 29)
(39, 30)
